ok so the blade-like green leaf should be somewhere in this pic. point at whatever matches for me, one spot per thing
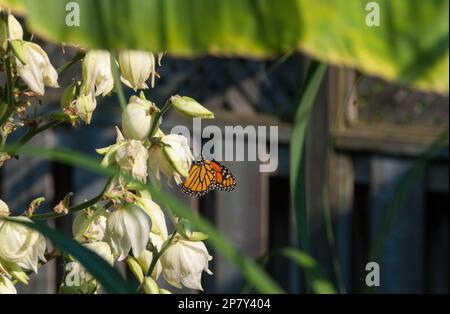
(410, 45)
(318, 281)
(106, 275)
(250, 270)
(313, 80)
(312, 83)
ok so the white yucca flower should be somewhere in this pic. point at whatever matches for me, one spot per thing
(97, 72)
(132, 157)
(138, 117)
(38, 72)
(128, 228)
(184, 262)
(136, 68)
(171, 156)
(21, 245)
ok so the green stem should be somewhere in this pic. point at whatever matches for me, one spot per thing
(117, 82)
(156, 257)
(79, 56)
(31, 133)
(70, 210)
(9, 90)
(158, 115)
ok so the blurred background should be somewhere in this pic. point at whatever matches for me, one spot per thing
(366, 137)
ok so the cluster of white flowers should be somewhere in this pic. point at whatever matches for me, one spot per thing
(128, 225)
(136, 67)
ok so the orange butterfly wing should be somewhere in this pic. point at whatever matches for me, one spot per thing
(200, 180)
(206, 175)
(224, 178)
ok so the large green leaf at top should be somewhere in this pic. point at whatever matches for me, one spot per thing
(410, 46)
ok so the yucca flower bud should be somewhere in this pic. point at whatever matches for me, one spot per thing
(14, 27)
(136, 67)
(183, 263)
(190, 108)
(135, 268)
(127, 228)
(6, 286)
(85, 106)
(164, 291)
(150, 286)
(138, 117)
(37, 72)
(13, 270)
(97, 72)
(171, 156)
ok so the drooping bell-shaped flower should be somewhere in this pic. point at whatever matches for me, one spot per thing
(138, 117)
(97, 72)
(136, 67)
(171, 156)
(128, 228)
(21, 245)
(184, 262)
(37, 72)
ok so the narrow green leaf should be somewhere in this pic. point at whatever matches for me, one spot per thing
(106, 275)
(312, 83)
(318, 281)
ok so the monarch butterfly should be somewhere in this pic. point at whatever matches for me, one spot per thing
(206, 175)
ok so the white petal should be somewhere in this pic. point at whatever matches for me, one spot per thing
(16, 239)
(156, 215)
(116, 234)
(138, 227)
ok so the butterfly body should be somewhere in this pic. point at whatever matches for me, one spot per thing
(207, 175)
